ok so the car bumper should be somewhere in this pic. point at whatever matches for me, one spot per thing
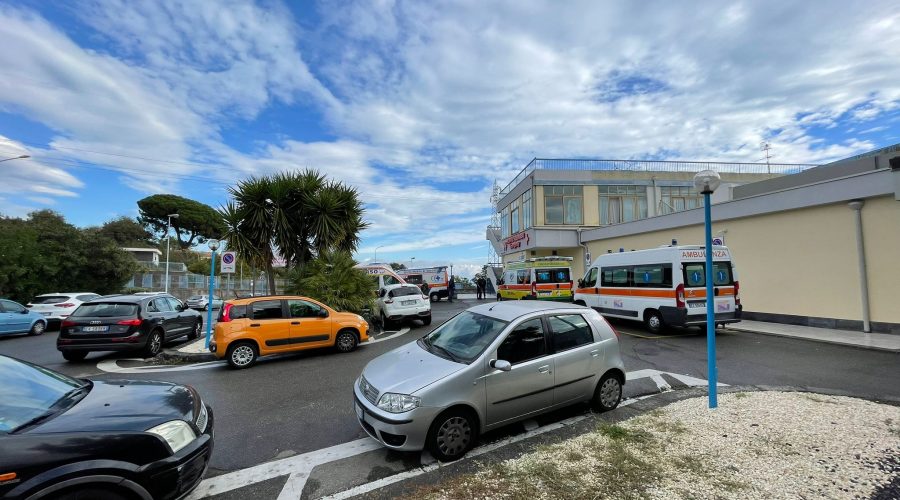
(414, 314)
(177, 476)
(397, 431)
(130, 343)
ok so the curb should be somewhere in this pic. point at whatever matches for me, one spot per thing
(187, 357)
(822, 341)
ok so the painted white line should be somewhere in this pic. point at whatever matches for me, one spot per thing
(693, 381)
(382, 339)
(112, 366)
(661, 383)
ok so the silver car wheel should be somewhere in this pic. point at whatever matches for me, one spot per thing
(653, 321)
(454, 435)
(242, 355)
(610, 392)
(38, 328)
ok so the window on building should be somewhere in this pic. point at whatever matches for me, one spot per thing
(527, 210)
(514, 218)
(678, 198)
(622, 204)
(563, 205)
(504, 222)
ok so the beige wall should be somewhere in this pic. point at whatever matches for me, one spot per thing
(803, 262)
(538, 202)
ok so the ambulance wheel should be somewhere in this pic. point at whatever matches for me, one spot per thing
(653, 321)
(499, 298)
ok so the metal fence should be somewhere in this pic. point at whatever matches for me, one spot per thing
(654, 166)
(183, 285)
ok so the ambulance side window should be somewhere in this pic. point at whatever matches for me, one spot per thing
(614, 276)
(590, 279)
(522, 277)
(653, 276)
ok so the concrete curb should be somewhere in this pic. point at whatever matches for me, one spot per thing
(406, 487)
(822, 341)
(186, 357)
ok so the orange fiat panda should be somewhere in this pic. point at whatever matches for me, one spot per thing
(257, 326)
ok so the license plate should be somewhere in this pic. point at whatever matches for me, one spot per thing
(696, 304)
(407, 302)
(359, 411)
(96, 328)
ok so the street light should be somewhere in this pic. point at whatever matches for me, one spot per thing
(375, 260)
(706, 182)
(411, 259)
(22, 157)
(168, 230)
(213, 245)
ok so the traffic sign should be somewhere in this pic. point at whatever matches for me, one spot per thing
(229, 262)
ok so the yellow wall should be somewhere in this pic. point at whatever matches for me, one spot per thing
(803, 262)
(538, 201)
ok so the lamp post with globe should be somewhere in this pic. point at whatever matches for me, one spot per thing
(213, 245)
(706, 182)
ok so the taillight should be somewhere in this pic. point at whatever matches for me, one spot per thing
(66, 323)
(67, 304)
(571, 285)
(424, 297)
(534, 289)
(737, 293)
(226, 313)
(130, 322)
(679, 295)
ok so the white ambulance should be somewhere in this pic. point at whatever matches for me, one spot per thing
(438, 279)
(661, 286)
(381, 275)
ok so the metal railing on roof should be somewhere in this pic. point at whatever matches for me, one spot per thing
(654, 166)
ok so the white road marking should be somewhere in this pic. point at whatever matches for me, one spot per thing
(661, 383)
(382, 339)
(299, 467)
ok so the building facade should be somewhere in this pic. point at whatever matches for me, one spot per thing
(791, 228)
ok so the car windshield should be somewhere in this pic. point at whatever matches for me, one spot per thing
(29, 393)
(105, 310)
(464, 337)
(405, 290)
(50, 299)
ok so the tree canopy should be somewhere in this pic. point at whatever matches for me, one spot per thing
(196, 222)
(43, 253)
(127, 232)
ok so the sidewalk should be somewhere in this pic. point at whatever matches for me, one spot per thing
(878, 341)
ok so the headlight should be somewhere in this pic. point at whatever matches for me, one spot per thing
(398, 403)
(177, 434)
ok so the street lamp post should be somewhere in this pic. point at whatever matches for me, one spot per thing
(411, 259)
(706, 182)
(168, 230)
(213, 245)
(21, 157)
(376, 254)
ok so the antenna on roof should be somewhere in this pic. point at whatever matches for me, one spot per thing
(766, 147)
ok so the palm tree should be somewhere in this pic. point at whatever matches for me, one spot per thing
(250, 223)
(334, 279)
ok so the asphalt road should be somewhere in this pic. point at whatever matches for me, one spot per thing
(301, 403)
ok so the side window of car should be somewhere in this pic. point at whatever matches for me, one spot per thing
(303, 309)
(591, 279)
(163, 305)
(175, 303)
(266, 309)
(11, 307)
(3, 306)
(151, 306)
(524, 343)
(570, 331)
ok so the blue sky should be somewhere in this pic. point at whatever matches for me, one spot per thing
(422, 106)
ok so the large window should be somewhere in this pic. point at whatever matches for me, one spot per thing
(695, 274)
(614, 276)
(570, 331)
(622, 204)
(267, 309)
(504, 222)
(514, 217)
(563, 205)
(527, 210)
(678, 198)
(525, 342)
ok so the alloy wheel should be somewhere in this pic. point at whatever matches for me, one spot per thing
(453, 436)
(346, 342)
(155, 344)
(242, 355)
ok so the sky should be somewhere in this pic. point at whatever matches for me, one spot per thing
(422, 106)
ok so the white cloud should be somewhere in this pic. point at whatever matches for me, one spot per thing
(30, 176)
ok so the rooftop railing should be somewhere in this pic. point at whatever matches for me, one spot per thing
(654, 166)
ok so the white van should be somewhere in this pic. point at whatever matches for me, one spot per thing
(661, 286)
(382, 275)
(438, 279)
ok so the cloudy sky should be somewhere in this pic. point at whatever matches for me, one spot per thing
(421, 105)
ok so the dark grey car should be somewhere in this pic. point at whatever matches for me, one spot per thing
(487, 367)
(127, 323)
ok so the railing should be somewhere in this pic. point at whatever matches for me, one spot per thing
(654, 166)
(174, 267)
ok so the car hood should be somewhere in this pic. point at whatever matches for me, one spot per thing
(124, 405)
(407, 369)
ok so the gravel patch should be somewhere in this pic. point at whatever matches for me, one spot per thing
(754, 445)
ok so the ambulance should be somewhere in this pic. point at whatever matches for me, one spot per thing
(540, 278)
(381, 275)
(661, 286)
(438, 279)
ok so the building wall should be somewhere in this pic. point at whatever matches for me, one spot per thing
(802, 262)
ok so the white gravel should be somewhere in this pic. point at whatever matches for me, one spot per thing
(754, 445)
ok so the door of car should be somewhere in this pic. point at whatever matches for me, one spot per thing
(184, 319)
(6, 318)
(269, 324)
(309, 328)
(577, 357)
(169, 317)
(17, 319)
(590, 288)
(528, 387)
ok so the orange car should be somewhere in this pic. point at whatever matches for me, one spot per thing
(257, 326)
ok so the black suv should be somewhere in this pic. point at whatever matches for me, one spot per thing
(63, 438)
(127, 323)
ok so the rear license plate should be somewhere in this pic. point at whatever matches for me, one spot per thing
(95, 328)
(359, 411)
(696, 304)
(407, 302)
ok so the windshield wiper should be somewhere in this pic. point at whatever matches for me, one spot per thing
(34, 421)
(448, 353)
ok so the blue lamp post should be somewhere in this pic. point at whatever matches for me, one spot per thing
(706, 182)
(213, 245)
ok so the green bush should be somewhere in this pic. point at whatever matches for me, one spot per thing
(334, 279)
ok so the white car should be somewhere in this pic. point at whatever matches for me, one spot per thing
(400, 302)
(201, 301)
(58, 306)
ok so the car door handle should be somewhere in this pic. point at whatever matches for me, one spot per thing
(595, 352)
(295, 322)
(544, 369)
(252, 325)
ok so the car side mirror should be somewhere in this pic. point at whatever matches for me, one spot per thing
(501, 364)
(580, 283)
(322, 313)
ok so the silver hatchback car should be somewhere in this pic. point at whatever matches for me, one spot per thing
(487, 367)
